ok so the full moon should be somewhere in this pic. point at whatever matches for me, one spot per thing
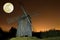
(8, 7)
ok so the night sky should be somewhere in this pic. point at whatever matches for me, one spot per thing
(45, 14)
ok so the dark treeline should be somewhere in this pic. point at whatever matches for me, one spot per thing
(50, 33)
(12, 33)
(7, 35)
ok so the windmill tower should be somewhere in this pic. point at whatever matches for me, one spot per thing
(24, 25)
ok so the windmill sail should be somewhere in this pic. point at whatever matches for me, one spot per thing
(12, 20)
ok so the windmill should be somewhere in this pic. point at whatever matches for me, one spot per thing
(24, 25)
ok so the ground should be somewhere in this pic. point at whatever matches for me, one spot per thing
(24, 38)
(34, 38)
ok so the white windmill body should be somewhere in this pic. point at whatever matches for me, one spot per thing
(24, 25)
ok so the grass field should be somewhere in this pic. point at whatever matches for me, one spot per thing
(25, 38)
(34, 38)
